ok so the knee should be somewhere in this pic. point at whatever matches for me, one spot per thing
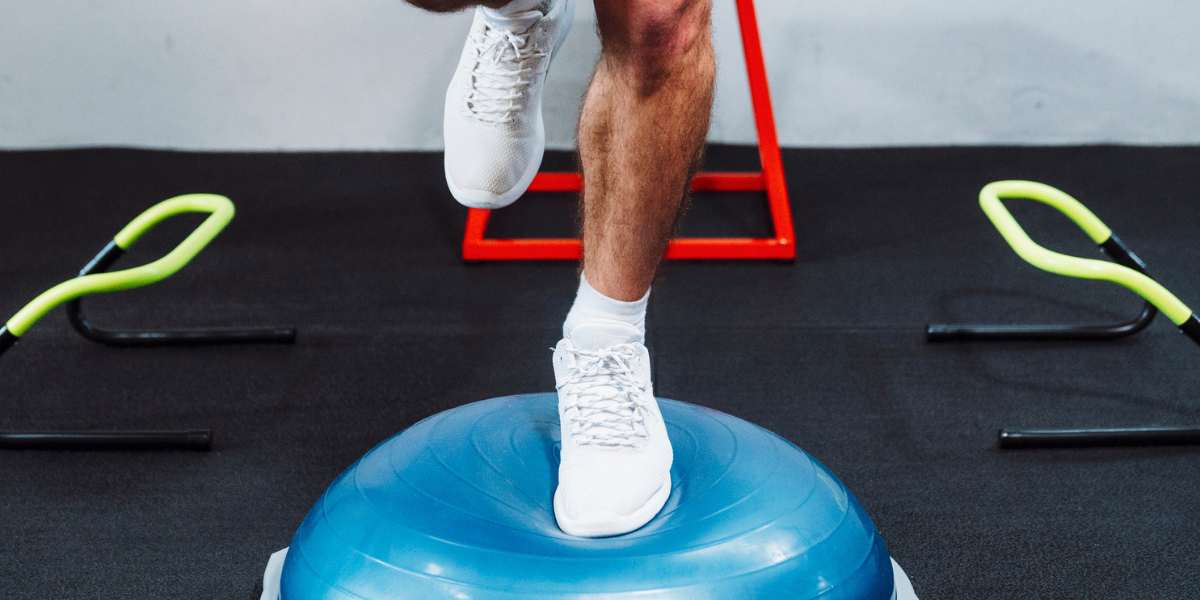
(658, 37)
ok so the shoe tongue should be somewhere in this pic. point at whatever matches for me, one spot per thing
(602, 334)
(518, 21)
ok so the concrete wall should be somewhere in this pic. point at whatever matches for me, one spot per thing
(369, 74)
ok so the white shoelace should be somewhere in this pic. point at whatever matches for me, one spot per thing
(602, 395)
(504, 65)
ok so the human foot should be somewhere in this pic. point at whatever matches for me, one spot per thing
(615, 468)
(493, 130)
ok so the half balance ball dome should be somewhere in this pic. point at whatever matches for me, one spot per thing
(460, 506)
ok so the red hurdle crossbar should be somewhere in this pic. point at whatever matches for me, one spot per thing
(781, 246)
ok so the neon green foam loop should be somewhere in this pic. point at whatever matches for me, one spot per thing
(1051, 196)
(220, 211)
(1062, 264)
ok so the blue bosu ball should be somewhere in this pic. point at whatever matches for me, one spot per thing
(459, 506)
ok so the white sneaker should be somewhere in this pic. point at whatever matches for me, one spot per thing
(493, 128)
(615, 471)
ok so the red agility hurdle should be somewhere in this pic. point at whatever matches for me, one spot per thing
(781, 246)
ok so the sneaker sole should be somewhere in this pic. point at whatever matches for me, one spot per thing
(613, 525)
(487, 200)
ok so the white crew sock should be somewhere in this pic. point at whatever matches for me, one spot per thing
(596, 321)
(517, 7)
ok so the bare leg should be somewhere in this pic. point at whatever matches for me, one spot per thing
(644, 121)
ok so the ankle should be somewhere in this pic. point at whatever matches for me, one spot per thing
(615, 284)
(593, 307)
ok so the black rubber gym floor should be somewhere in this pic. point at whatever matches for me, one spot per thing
(360, 251)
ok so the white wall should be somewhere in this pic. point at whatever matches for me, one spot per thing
(369, 74)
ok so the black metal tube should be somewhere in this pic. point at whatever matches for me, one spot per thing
(1120, 253)
(103, 259)
(197, 439)
(163, 337)
(961, 332)
(1191, 328)
(7, 339)
(1091, 438)
(175, 337)
(1116, 249)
